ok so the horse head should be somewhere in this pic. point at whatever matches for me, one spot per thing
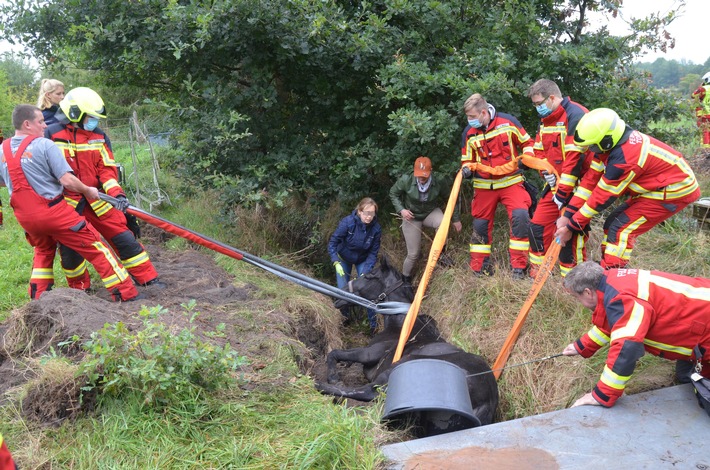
(383, 283)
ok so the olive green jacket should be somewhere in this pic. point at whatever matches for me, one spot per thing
(405, 195)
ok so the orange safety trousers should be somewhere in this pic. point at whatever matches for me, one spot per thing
(47, 223)
(132, 254)
(632, 218)
(543, 228)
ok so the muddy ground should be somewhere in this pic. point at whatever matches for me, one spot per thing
(36, 329)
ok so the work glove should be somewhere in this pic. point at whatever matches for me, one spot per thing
(550, 178)
(556, 199)
(122, 203)
(132, 223)
(339, 268)
(466, 173)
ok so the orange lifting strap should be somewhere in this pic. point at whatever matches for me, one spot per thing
(443, 232)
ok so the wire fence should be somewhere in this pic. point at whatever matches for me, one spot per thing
(139, 178)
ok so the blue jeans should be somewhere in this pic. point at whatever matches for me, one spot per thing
(343, 282)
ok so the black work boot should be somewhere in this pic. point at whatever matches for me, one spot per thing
(157, 283)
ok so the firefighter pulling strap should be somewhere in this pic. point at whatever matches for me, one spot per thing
(443, 232)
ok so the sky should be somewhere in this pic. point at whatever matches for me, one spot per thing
(690, 29)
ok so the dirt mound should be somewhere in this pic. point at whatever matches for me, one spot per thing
(38, 327)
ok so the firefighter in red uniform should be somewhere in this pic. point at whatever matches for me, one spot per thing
(637, 311)
(36, 174)
(87, 151)
(494, 139)
(702, 109)
(6, 462)
(555, 143)
(1, 221)
(656, 177)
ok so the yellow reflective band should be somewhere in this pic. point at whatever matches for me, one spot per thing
(632, 326)
(42, 273)
(621, 248)
(120, 271)
(137, 260)
(521, 245)
(71, 202)
(100, 207)
(587, 211)
(535, 259)
(597, 166)
(643, 155)
(574, 148)
(564, 270)
(619, 188)
(484, 249)
(613, 380)
(110, 184)
(596, 335)
(670, 348)
(558, 128)
(76, 272)
(538, 146)
(568, 180)
(482, 183)
(644, 284)
(582, 193)
(673, 191)
(695, 293)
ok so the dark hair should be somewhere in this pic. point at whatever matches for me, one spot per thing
(22, 113)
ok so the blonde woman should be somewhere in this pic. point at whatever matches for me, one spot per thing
(51, 92)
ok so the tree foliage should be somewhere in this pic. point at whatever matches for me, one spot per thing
(17, 81)
(337, 97)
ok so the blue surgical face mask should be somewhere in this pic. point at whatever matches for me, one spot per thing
(474, 123)
(543, 110)
(91, 123)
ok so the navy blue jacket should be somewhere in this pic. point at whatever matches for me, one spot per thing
(356, 242)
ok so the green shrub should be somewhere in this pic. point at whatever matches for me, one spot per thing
(162, 365)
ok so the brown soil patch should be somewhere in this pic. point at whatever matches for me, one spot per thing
(36, 328)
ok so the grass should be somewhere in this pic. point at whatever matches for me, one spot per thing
(282, 423)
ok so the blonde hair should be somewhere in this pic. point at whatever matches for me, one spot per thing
(475, 102)
(48, 85)
(366, 201)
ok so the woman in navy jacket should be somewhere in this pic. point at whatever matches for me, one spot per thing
(356, 242)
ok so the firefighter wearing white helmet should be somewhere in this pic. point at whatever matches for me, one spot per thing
(656, 179)
(701, 96)
(88, 151)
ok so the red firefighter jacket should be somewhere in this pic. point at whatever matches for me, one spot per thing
(555, 143)
(502, 141)
(664, 314)
(638, 166)
(91, 160)
(702, 99)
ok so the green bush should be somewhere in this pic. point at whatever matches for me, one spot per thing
(163, 366)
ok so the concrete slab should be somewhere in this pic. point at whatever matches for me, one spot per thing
(654, 430)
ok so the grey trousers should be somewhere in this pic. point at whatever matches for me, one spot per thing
(412, 230)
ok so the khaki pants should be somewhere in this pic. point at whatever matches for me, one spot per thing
(412, 230)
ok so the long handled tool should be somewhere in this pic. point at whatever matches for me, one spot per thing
(553, 252)
(385, 308)
(498, 371)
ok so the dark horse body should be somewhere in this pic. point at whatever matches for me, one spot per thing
(425, 342)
